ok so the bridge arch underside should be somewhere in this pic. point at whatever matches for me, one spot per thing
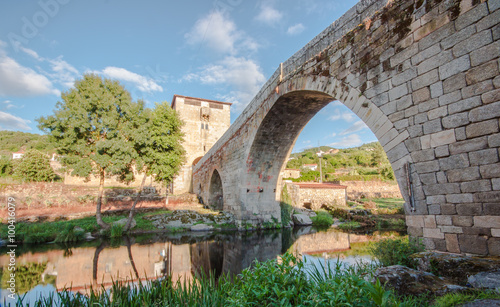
(271, 147)
(216, 194)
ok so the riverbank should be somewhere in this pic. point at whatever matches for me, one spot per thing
(189, 216)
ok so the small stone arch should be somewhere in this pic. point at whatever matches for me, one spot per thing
(216, 193)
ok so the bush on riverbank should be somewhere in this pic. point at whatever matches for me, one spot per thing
(396, 251)
(322, 218)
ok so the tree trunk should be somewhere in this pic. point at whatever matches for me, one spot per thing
(131, 213)
(98, 214)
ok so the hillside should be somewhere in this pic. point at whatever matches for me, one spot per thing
(13, 141)
(367, 161)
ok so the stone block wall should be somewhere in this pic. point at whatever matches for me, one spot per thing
(315, 195)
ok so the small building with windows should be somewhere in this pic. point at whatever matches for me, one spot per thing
(205, 121)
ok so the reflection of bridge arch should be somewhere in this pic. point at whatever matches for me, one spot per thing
(437, 111)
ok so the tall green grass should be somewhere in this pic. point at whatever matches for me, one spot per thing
(283, 282)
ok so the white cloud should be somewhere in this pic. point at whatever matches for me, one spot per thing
(220, 34)
(64, 73)
(269, 15)
(357, 126)
(19, 81)
(144, 84)
(11, 122)
(346, 116)
(30, 52)
(61, 71)
(295, 29)
(244, 75)
(348, 141)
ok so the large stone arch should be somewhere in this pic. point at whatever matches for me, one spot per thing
(424, 76)
(296, 101)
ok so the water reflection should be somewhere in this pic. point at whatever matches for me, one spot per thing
(181, 256)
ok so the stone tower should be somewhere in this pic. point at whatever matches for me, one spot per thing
(205, 121)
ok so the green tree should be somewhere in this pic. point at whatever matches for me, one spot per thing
(158, 144)
(93, 129)
(34, 166)
(5, 166)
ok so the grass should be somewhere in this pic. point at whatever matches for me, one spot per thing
(456, 299)
(283, 282)
(349, 225)
(67, 231)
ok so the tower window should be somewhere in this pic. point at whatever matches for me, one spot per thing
(206, 126)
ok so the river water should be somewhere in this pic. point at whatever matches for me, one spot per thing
(44, 269)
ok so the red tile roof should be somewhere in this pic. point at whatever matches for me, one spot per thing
(316, 185)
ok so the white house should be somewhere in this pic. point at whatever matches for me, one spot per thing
(17, 155)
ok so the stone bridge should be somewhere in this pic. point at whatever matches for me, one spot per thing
(424, 77)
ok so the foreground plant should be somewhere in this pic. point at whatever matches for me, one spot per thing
(283, 282)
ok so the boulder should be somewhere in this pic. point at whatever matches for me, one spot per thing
(123, 222)
(488, 280)
(406, 281)
(453, 266)
(301, 220)
(88, 236)
(201, 227)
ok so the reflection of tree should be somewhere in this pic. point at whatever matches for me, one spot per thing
(129, 251)
(27, 276)
(95, 261)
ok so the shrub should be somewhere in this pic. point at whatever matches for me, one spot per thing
(116, 231)
(34, 166)
(5, 166)
(322, 218)
(396, 251)
(349, 225)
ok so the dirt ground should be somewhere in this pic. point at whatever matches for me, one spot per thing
(50, 201)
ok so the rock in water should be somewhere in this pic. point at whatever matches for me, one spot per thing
(201, 227)
(123, 222)
(407, 281)
(453, 266)
(301, 220)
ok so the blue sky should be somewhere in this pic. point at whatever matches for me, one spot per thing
(222, 50)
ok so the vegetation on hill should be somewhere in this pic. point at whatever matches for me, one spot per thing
(14, 141)
(365, 162)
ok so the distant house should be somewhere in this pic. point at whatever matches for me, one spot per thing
(17, 155)
(312, 167)
(320, 153)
